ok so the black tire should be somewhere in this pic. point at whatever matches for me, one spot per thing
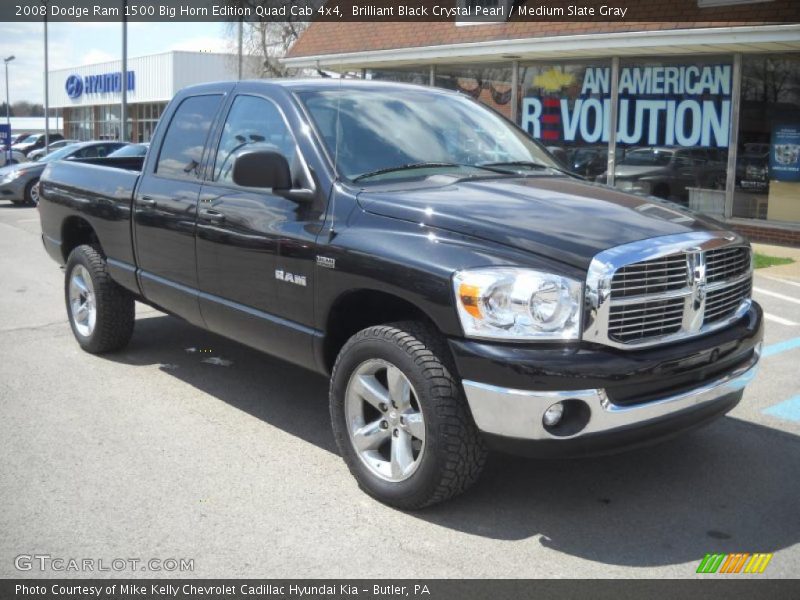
(115, 306)
(29, 192)
(454, 453)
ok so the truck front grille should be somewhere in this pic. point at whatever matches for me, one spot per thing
(677, 295)
(646, 319)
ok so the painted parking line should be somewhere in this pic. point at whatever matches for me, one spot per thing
(788, 409)
(776, 295)
(779, 347)
(779, 280)
(779, 320)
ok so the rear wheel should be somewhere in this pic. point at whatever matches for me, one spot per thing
(400, 419)
(101, 313)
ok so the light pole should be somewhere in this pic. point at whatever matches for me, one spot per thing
(123, 110)
(46, 86)
(7, 60)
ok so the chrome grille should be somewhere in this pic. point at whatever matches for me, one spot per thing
(650, 277)
(722, 303)
(666, 289)
(636, 321)
(726, 263)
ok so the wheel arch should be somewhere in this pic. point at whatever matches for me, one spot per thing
(358, 309)
(75, 231)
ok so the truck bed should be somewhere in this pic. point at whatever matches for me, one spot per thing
(98, 191)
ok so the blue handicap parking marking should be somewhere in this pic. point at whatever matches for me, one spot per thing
(789, 409)
(773, 349)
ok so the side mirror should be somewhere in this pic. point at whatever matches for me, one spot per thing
(262, 169)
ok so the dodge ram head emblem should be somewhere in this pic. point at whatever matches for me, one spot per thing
(696, 268)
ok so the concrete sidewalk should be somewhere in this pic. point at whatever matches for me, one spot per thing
(791, 271)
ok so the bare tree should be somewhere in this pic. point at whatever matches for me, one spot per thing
(269, 40)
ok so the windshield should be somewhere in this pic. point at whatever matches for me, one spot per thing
(30, 139)
(59, 154)
(647, 157)
(406, 132)
(130, 150)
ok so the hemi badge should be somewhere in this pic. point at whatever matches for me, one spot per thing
(324, 261)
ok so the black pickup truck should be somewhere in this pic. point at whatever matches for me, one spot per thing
(460, 289)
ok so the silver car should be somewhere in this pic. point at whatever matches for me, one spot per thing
(18, 182)
(37, 154)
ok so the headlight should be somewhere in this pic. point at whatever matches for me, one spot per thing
(518, 304)
(13, 175)
(635, 187)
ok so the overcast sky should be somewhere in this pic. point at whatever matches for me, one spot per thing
(73, 44)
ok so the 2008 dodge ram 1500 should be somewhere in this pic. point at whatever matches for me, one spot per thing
(461, 290)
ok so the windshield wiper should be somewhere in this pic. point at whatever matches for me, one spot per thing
(530, 164)
(424, 165)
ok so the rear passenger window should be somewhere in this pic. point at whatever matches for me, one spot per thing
(252, 123)
(182, 149)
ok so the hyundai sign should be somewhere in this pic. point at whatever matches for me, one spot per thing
(106, 83)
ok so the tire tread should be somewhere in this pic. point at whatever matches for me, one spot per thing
(464, 449)
(116, 311)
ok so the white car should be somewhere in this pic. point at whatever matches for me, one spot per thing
(16, 157)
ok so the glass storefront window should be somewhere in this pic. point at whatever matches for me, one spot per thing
(147, 116)
(416, 75)
(566, 107)
(768, 148)
(674, 130)
(489, 83)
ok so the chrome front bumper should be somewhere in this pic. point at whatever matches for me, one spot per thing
(518, 413)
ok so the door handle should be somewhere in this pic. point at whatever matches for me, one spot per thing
(147, 201)
(213, 216)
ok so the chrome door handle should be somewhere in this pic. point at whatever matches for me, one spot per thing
(147, 202)
(214, 216)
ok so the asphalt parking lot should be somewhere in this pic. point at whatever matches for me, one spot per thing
(187, 445)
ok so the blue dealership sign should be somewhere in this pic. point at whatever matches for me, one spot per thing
(105, 83)
(74, 86)
(5, 137)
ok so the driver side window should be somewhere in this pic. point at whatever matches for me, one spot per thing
(252, 124)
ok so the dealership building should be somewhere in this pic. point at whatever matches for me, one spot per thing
(705, 111)
(90, 96)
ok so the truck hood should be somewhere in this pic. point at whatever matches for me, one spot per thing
(564, 219)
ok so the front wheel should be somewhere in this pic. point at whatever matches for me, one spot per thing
(101, 312)
(400, 418)
(32, 193)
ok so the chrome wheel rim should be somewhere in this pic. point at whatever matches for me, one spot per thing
(384, 420)
(35, 193)
(82, 301)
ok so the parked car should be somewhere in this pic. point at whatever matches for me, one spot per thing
(19, 137)
(457, 286)
(16, 157)
(130, 150)
(668, 171)
(34, 142)
(752, 168)
(589, 161)
(39, 153)
(17, 182)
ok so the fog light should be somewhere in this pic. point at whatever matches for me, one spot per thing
(553, 415)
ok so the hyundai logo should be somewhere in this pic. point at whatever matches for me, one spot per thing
(74, 86)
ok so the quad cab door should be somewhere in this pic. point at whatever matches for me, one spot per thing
(255, 246)
(165, 207)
